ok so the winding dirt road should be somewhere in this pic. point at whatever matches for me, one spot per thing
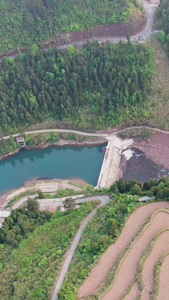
(96, 134)
(149, 9)
(104, 200)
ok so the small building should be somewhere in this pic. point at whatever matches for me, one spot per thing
(20, 141)
(145, 199)
(3, 214)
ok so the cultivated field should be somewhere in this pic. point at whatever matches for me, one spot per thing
(126, 270)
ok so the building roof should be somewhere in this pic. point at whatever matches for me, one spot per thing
(19, 139)
(145, 199)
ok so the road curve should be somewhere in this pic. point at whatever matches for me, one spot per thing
(104, 200)
(58, 130)
(105, 135)
(148, 29)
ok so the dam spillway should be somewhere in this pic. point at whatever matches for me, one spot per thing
(110, 167)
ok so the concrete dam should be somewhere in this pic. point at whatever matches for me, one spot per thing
(110, 167)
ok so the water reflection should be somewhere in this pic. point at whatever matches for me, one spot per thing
(53, 162)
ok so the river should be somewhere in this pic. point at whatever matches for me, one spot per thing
(52, 162)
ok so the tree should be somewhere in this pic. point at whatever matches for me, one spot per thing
(136, 189)
(69, 204)
(40, 194)
(162, 36)
(121, 185)
(21, 56)
(71, 49)
(111, 225)
(32, 205)
(33, 50)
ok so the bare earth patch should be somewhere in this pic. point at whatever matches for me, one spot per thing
(128, 268)
(163, 293)
(135, 23)
(156, 148)
(133, 293)
(160, 247)
(132, 226)
(52, 185)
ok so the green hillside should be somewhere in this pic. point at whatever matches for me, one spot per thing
(26, 22)
(100, 86)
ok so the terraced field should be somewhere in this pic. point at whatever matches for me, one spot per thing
(126, 269)
(163, 290)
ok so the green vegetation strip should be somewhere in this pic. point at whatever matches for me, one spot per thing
(37, 140)
(111, 278)
(157, 276)
(144, 256)
(128, 290)
(11, 202)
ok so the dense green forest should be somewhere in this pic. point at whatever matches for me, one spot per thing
(99, 86)
(26, 22)
(28, 268)
(162, 16)
(22, 222)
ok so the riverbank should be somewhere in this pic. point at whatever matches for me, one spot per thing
(76, 141)
(45, 185)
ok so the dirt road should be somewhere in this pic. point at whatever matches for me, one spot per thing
(149, 9)
(104, 200)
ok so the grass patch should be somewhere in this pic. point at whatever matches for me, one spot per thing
(18, 197)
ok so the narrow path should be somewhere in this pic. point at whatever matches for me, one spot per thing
(106, 135)
(104, 200)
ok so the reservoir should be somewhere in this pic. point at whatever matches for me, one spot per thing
(52, 162)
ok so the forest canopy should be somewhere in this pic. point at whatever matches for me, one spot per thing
(99, 86)
(162, 16)
(26, 22)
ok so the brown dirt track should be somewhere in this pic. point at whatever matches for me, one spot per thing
(160, 247)
(133, 293)
(163, 293)
(100, 271)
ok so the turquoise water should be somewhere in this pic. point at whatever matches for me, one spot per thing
(53, 162)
